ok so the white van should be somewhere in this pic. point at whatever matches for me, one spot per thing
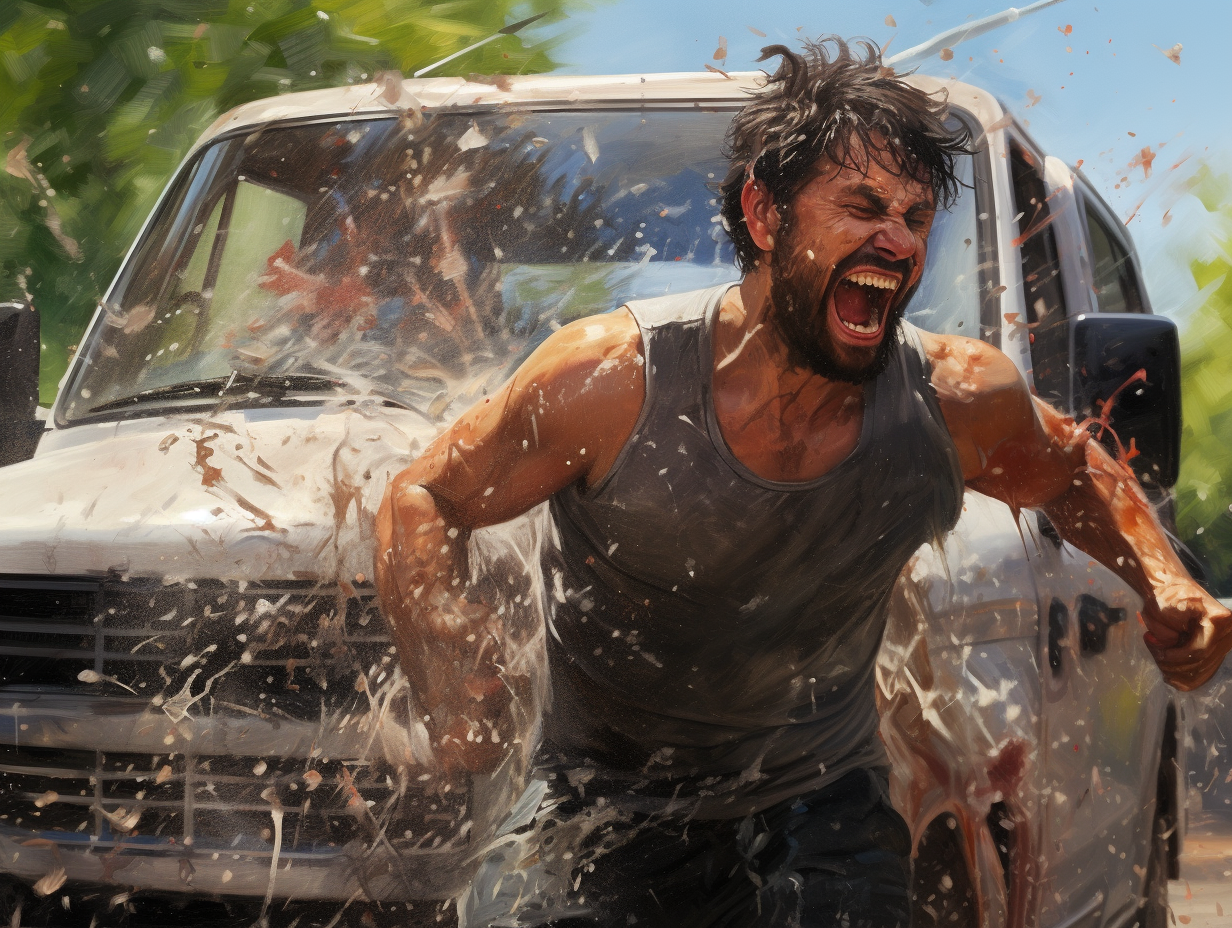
(201, 713)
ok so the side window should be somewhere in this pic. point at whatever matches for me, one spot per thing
(220, 276)
(948, 299)
(1041, 278)
(1116, 285)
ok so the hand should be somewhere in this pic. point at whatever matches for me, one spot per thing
(1188, 633)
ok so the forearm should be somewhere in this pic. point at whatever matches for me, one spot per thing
(1105, 513)
(450, 648)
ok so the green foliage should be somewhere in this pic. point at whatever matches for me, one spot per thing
(101, 99)
(1204, 491)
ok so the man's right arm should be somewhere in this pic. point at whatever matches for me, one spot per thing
(561, 419)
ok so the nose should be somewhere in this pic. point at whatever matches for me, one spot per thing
(893, 240)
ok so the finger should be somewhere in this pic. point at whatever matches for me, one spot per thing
(1156, 643)
(1200, 644)
(1167, 622)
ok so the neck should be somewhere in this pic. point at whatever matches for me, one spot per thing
(750, 352)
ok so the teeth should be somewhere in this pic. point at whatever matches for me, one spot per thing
(866, 279)
(869, 329)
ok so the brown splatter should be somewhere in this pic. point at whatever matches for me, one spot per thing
(313, 779)
(1104, 420)
(1173, 54)
(710, 67)
(17, 164)
(720, 53)
(138, 318)
(1143, 160)
(200, 31)
(1006, 770)
(947, 54)
(756, 31)
(390, 83)
(1067, 29)
(266, 521)
(1032, 98)
(68, 243)
(889, 21)
(259, 476)
(1037, 227)
(210, 475)
(1167, 218)
(165, 445)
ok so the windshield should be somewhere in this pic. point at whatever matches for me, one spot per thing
(420, 260)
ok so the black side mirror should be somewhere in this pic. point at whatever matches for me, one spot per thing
(1135, 361)
(19, 381)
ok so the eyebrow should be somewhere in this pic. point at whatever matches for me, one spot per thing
(878, 202)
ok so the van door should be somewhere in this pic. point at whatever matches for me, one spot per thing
(1073, 870)
(1130, 698)
(1096, 691)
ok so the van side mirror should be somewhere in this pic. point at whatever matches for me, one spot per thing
(19, 382)
(1139, 356)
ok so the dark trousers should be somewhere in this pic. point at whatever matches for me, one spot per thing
(836, 857)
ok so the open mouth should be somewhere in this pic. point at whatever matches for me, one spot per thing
(862, 299)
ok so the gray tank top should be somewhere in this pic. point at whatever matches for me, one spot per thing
(713, 635)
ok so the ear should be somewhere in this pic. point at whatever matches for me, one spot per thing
(761, 217)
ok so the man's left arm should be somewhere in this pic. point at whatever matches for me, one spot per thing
(1018, 449)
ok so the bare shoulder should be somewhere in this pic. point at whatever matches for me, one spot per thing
(561, 419)
(597, 359)
(983, 397)
(967, 370)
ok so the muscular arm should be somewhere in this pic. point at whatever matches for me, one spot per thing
(562, 418)
(1016, 448)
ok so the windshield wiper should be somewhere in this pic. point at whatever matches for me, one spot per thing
(275, 386)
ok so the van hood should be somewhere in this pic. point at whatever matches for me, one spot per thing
(273, 495)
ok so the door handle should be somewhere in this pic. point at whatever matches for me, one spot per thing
(1095, 617)
(1058, 628)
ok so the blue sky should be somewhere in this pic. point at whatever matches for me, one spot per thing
(1123, 93)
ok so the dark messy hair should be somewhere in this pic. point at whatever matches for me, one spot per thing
(831, 102)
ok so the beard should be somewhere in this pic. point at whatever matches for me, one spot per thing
(800, 300)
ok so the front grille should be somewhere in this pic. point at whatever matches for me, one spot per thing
(283, 646)
(46, 635)
(269, 654)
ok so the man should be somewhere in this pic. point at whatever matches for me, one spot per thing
(737, 477)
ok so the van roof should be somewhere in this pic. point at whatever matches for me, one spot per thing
(544, 90)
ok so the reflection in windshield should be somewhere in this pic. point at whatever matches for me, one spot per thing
(421, 260)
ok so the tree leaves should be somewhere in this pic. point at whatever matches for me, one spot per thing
(1204, 490)
(112, 93)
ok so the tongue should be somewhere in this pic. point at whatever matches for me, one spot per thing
(852, 303)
